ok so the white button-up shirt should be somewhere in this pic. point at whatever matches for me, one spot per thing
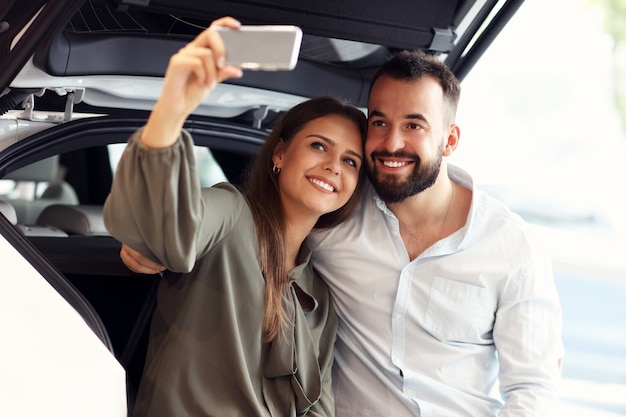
(475, 313)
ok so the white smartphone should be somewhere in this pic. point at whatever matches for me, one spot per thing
(262, 47)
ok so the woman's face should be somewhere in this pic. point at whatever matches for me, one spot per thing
(319, 167)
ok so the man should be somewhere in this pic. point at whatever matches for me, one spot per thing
(440, 290)
(446, 305)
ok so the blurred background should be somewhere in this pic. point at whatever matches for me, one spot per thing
(542, 119)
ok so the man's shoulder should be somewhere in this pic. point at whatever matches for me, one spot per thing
(492, 206)
(495, 219)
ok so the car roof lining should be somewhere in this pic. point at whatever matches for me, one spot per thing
(384, 22)
(139, 36)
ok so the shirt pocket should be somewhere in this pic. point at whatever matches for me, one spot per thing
(459, 312)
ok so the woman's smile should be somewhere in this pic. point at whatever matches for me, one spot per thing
(323, 184)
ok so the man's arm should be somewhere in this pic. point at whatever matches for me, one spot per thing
(528, 339)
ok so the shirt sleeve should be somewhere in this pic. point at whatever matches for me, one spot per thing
(527, 334)
(156, 205)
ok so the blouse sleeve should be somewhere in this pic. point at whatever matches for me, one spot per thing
(156, 205)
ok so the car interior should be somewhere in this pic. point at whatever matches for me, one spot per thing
(62, 220)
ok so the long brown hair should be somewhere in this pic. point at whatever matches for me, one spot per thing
(263, 195)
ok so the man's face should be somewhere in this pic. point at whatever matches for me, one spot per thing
(406, 136)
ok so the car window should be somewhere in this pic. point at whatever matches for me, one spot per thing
(26, 190)
(540, 130)
(34, 187)
(30, 182)
(209, 170)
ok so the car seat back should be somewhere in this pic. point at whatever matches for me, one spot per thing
(58, 191)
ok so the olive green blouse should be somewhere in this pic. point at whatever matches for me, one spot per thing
(206, 356)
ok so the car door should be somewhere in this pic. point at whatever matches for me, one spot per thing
(55, 358)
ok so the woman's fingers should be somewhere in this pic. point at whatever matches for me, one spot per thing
(196, 61)
(190, 76)
(209, 48)
(138, 263)
(211, 39)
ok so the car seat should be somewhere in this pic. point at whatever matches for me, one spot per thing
(8, 211)
(58, 191)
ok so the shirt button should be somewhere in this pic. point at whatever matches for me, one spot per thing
(396, 316)
(409, 391)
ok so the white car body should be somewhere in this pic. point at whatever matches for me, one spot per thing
(51, 363)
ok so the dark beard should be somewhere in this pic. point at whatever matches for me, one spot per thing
(391, 190)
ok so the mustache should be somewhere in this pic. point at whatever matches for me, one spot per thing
(398, 154)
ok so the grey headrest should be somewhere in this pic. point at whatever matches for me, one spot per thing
(9, 211)
(74, 219)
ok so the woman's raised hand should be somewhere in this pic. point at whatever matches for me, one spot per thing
(191, 74)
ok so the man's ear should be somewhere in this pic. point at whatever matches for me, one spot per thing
(454, 135)
(279, 150)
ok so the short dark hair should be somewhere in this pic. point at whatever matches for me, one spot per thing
(413, 65)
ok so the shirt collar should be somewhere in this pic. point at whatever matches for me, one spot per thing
(296, 273)
(459, 176)
(304, 256)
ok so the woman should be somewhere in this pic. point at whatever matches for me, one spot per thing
(245, 327)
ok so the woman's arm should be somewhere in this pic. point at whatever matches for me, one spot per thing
(191, 74)
(527, 335)
(155, 205)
